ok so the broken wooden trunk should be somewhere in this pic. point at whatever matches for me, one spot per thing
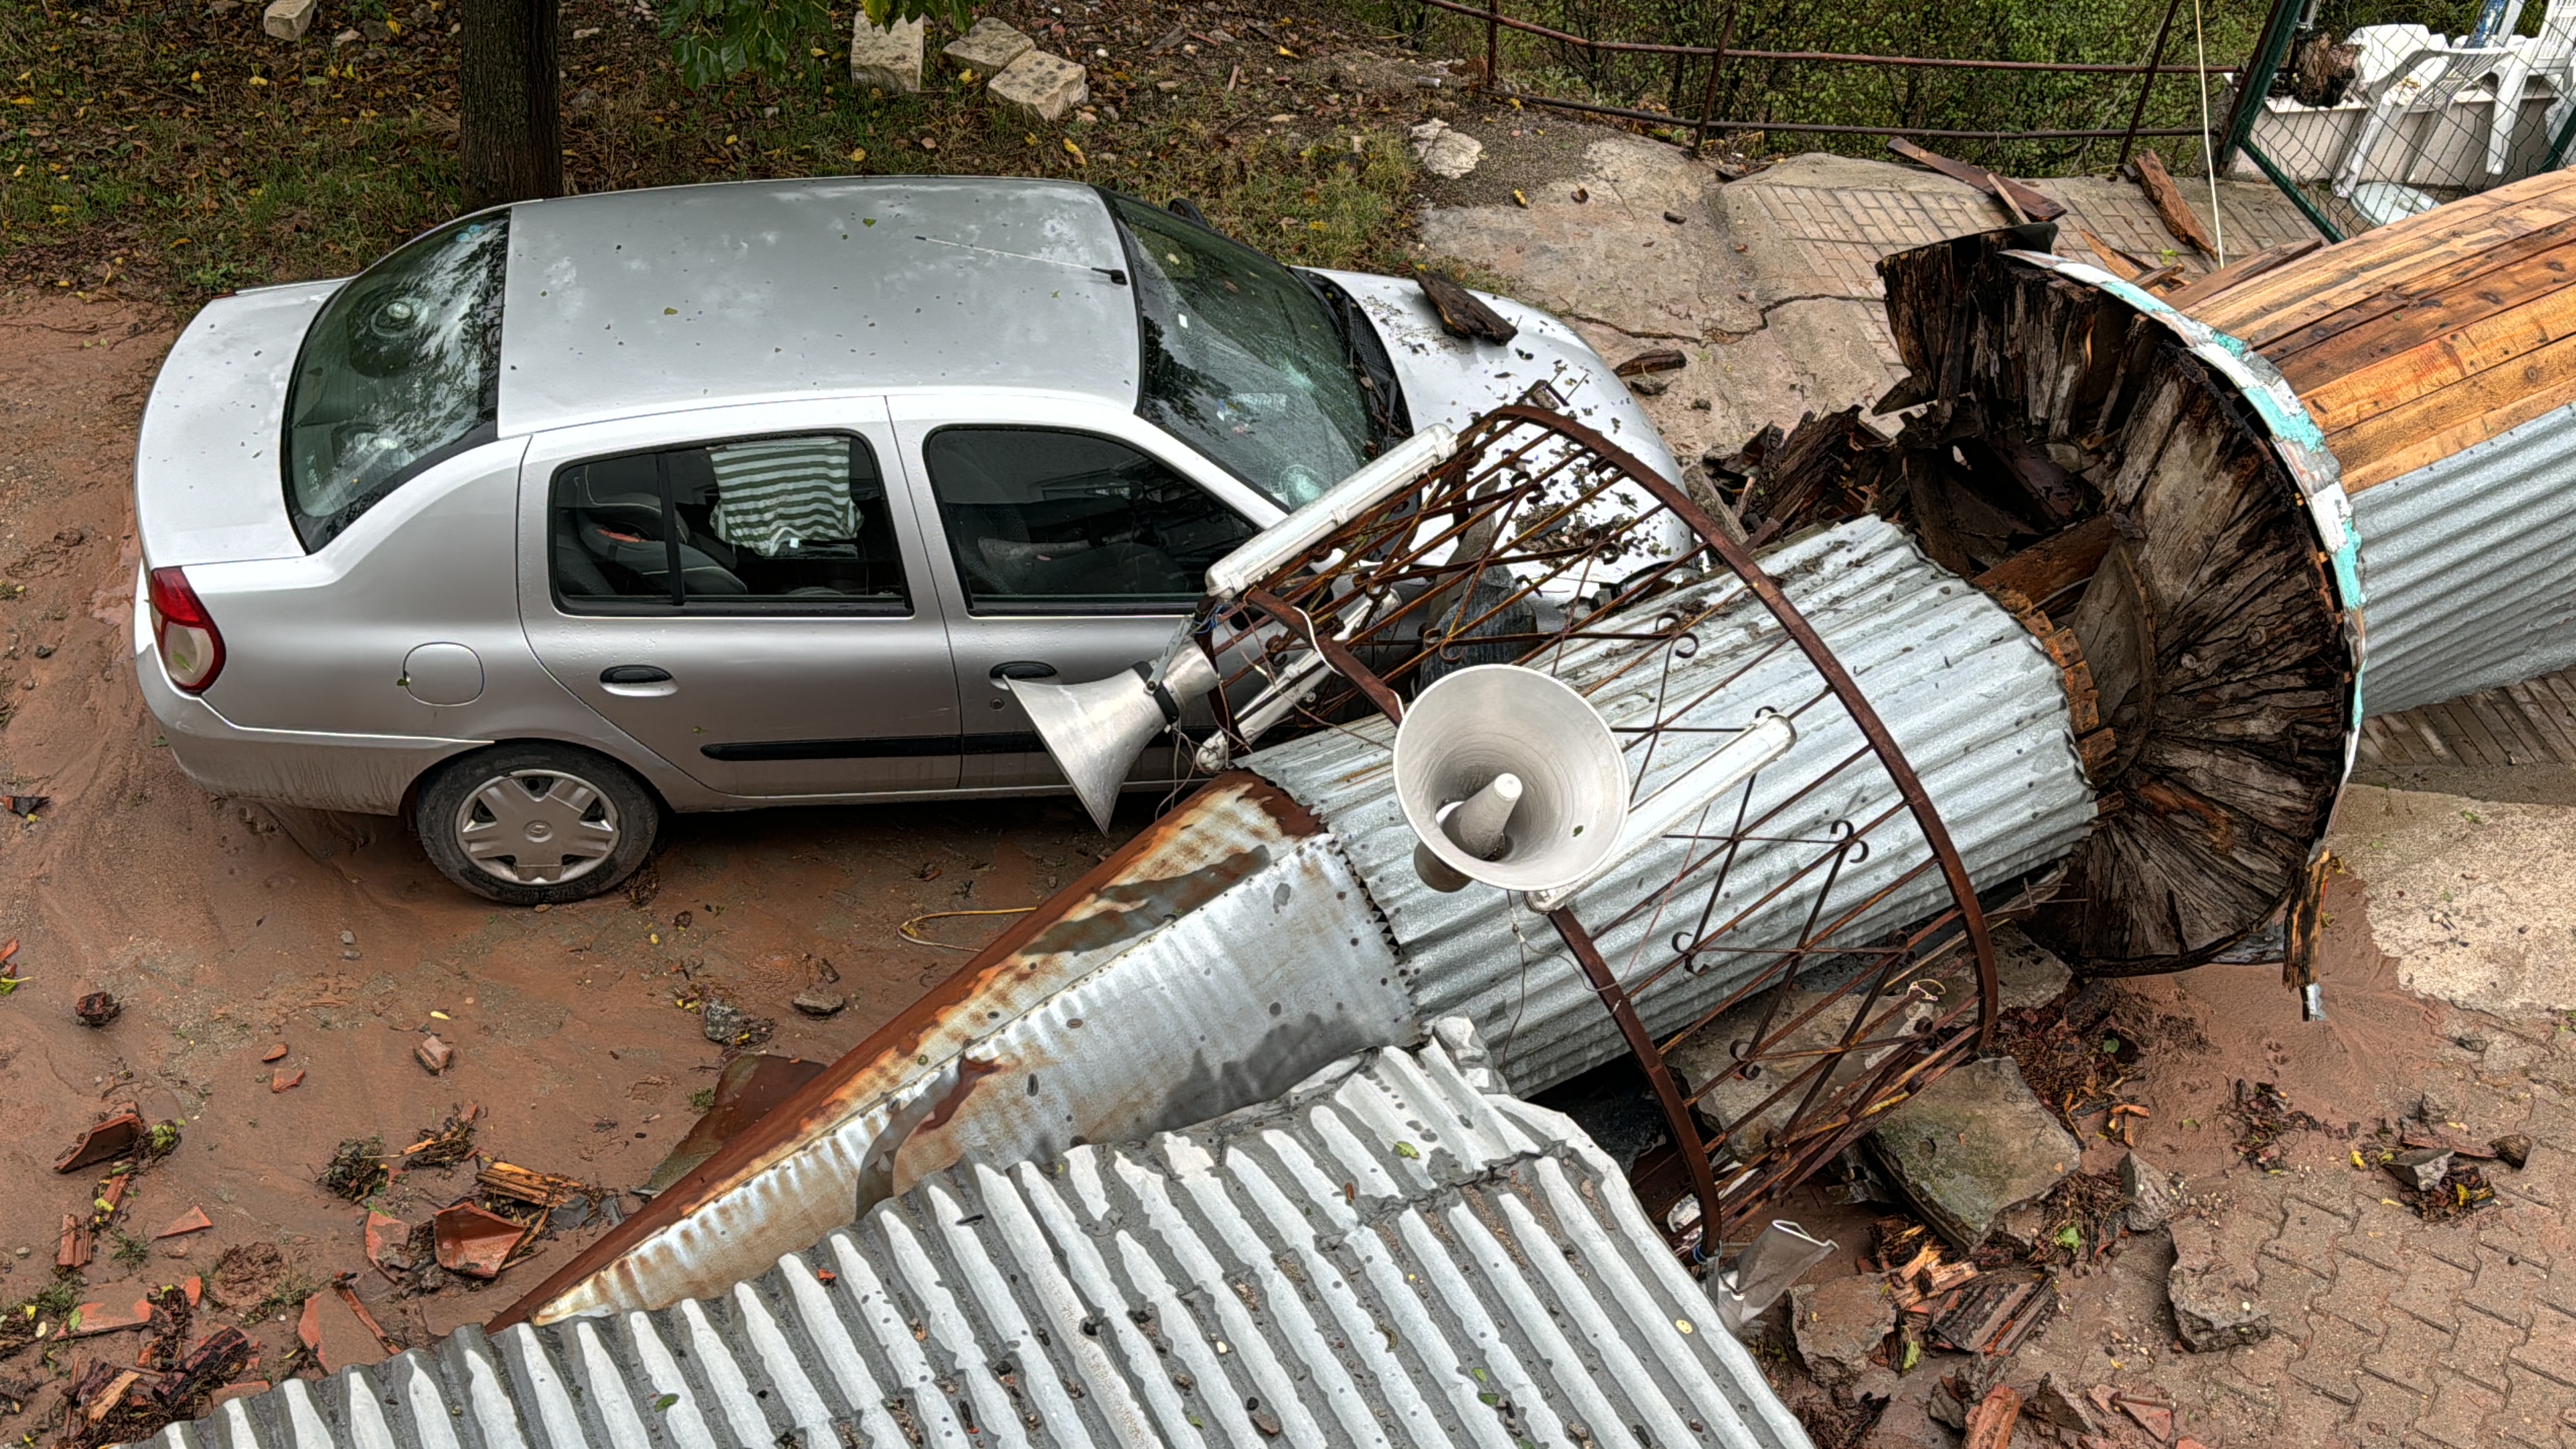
(2159, 513)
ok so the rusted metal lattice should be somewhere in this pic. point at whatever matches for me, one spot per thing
(1783, 969)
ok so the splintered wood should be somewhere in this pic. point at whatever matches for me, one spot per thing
(2071, 457)
(537, 1189)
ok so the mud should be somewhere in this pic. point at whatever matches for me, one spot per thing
(227, 928)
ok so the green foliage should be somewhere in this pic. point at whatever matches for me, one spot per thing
(132, 1251)
(1757, 94)
(717, 40)
(702, 1100)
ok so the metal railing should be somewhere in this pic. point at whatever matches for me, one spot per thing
(1739, 87)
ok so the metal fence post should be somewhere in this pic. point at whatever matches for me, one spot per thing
(2147, 83)
(2256, 83)
(1716, 64)
(1493, 42)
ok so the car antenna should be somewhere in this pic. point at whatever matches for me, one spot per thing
(1115, 275)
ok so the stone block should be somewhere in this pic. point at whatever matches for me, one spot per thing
(2214, 1306)
(2029, 973)
(1838, 1325)
(989, 47)
(1046, 86)
(2152, 1194)
(1446, 153)
(888, 58)
(1971, 1145)
(288, 19)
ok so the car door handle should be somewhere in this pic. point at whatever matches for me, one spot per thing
(637, 681)
(1022, 669)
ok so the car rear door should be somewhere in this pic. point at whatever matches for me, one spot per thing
(745, 591)
(1068, 540)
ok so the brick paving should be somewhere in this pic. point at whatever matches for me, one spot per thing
(2387, 1330)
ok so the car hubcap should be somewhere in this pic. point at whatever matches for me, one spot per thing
(537, 827)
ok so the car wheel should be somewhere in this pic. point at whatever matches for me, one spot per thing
(534, 824)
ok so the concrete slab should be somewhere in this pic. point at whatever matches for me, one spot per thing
(1971, 1145)
(2477, 897)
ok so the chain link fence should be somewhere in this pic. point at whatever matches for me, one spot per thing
(2366, 114)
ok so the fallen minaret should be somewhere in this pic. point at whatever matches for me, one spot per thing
(2128, 732)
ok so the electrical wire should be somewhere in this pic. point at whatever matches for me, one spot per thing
(2208, 156)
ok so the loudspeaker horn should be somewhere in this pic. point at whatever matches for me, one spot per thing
(1508, 777)
(1095, 731)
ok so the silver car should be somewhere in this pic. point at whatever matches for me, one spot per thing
(573, 512)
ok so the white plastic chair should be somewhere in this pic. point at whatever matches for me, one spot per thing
(2550, 56)
(2406, 70)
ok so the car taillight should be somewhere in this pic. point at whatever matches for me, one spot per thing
(191, 651)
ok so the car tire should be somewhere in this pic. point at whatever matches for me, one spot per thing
(536, 823)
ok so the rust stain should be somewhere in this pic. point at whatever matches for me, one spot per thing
(1147, 904)
(968, 1074)
(1143, 869)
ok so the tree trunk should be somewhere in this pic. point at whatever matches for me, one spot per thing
(511, 144)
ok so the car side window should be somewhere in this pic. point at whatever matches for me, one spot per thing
(764, 525)
(1047, 521)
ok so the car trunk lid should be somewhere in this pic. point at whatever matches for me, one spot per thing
(207, 483)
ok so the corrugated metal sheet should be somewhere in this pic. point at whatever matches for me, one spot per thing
(1978, 708)
(2472, 567)
(1387, 1256)
(1223, 958)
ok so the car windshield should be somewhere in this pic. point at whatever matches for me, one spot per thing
(401, 368)
(1241, 359)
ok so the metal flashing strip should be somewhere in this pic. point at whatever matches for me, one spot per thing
(1389, 1254)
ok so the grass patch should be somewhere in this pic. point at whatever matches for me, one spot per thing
(160, 149)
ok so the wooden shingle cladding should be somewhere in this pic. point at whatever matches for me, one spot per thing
(2416, 341)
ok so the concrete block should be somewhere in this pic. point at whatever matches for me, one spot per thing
(1444, 152)
(288, 19)
(1046, 86)
(1971, 1145)
(989, 47)
(888, 58)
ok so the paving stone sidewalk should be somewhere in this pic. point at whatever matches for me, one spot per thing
(2388, 1330)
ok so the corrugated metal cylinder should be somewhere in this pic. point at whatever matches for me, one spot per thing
(1975, 704)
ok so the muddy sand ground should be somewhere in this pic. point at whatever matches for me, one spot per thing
(226, 928)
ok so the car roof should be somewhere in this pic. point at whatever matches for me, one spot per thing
(637, 302)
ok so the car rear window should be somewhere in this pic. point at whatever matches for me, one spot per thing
(401, 368)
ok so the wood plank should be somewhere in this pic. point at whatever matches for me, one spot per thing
(2024, 203)
(2207, 285)
(2366, 392)
(2437, 424)
(2311, 291)
(2372, 455)
(2176, 213)
(2113, 260)
(2420, 307)
(2054, 564)
(2506, 727)
(2422, 724)
(2555, 726)
(2469, 734)
(2347, 271)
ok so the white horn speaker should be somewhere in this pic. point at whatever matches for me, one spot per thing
(1095, 731)
(1555, 817)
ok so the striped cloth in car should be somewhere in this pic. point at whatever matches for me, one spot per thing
(778, 493)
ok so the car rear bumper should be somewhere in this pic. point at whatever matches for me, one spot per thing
(365, 774)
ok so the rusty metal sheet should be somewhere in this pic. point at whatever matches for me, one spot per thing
(1219, 957)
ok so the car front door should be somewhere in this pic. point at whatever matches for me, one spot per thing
(1070, 542)
(745, 592)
